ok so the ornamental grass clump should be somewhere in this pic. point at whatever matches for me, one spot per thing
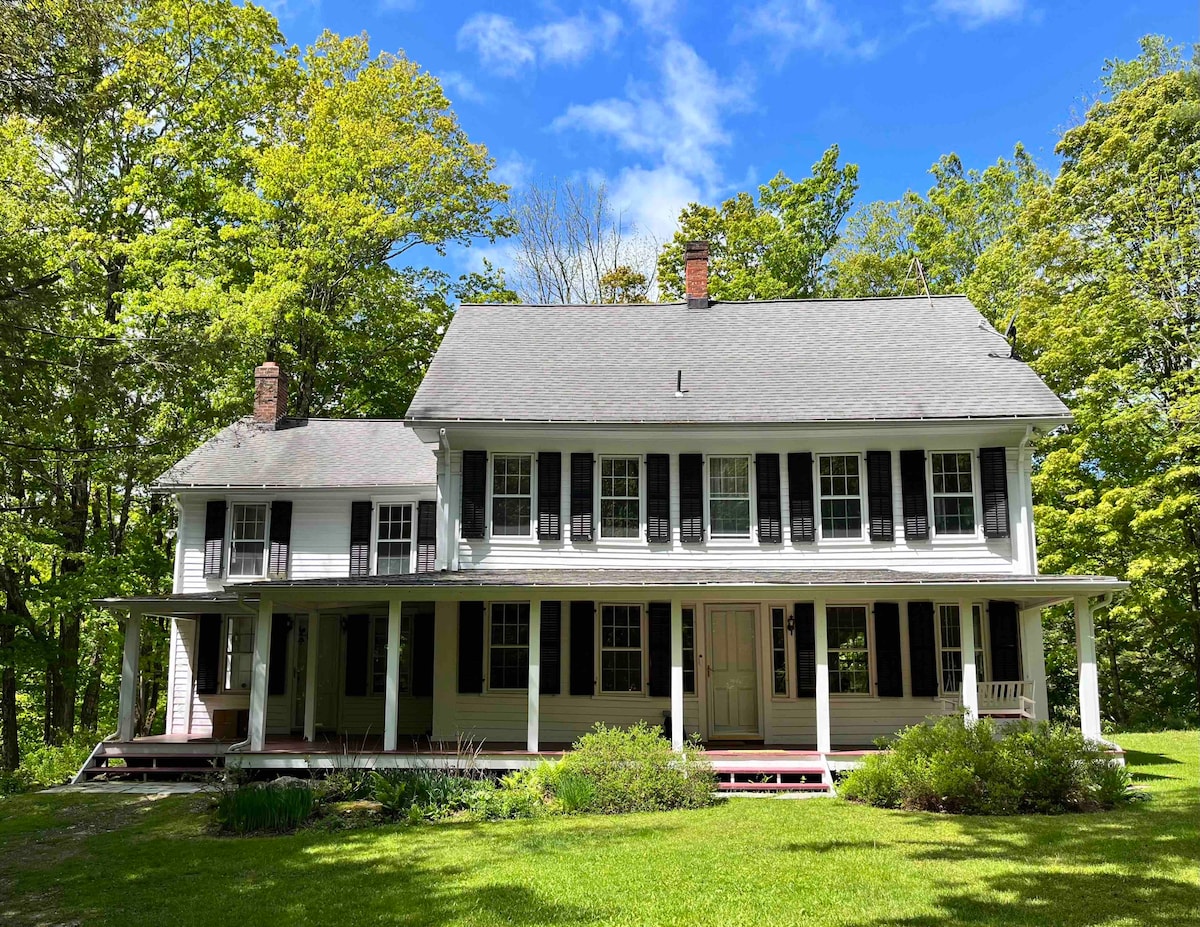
(255, 809)
(975, 768)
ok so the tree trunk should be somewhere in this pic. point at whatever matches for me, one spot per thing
(89, 711)
(10, 748)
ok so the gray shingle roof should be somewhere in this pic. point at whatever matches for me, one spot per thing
(743, 362)
(304, 454)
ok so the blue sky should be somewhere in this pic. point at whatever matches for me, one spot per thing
(669, 101)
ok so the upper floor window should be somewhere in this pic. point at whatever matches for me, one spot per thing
(729, 496)
(509, 646)
(849, 656)
(841, 496)
(248, 539)
(239, 652)
(621, 648)
(620, 497)
(953, 493)
(393, 545)
(512, 493)
(950, 646)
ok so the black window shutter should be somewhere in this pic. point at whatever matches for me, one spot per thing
(691, 498)
(993, 476)
(358, 636)
(360, 539)
(549, 494)
(770, 509)
(208, 654)
(551, 652)
(470, 647)
(281, 538)
(658, 498)
(582, 470)
(889, 669)
(922, 649)
(426, 536)
(474, 493)
(422, 651)
(214, 537)
(1006, 644)
(916, 499)
(659, 648)
(806, 649)
(879, 495)
(277, 667)
(583, 648)
(800, 497)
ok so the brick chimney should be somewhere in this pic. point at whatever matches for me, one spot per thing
(270, 393)
(695, 274)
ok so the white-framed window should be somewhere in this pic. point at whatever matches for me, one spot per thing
(779, 648)
(393, 538)
(239, 652)
(953, 477)
(840, 478)
(379, 647)
(620, 497)
(508, 646)
(729, 497)
(512, 494)
(689, 650)
(950, 647)
(248, 539)
(849, 649)
(620, 648)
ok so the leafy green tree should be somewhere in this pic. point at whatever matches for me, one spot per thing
(771, 248)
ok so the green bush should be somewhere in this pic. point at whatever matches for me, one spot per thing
(635, 769)
(573, 793)
(961, 768)
(418, 793)
(43, 766)
(252, 809)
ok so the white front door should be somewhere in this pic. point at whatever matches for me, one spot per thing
(733, 672)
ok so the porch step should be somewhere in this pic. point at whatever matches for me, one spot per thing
(161, 763)
(158, 771)
(772, 787)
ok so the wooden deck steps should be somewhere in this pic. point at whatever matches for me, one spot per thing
(152, 762)
(802, 774)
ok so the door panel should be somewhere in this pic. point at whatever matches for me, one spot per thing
(329, 675)
(733, 681)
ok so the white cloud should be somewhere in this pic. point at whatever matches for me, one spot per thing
(513, 170)
(978, 12)
(656, 15)
(505, 48)
(809, 25)
(460, 87)
(651, 199)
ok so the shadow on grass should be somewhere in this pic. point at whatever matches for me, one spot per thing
(1141, 758)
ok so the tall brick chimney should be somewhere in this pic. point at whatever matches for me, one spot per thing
(270, 393)
(695, 274)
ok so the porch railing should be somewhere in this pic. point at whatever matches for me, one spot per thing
(1006, 698)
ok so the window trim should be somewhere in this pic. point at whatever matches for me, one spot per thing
(870, 650)
(976, 506)
(406, 630)
(488, 686)
(752, 508)
(981, 646)
(531, 531)
(376, 507)
(230, 505)
(788, 648)
(695, 693)
(643, 648)
(863, 516)
(224, 688)
(598, 501)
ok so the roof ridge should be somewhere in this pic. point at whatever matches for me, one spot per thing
(676, 304)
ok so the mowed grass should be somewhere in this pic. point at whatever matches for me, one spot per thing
(113, 860)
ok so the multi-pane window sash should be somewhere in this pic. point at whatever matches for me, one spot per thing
(849, 657)
(620, 497)
(621, 648)
(393, 552)
(779, 651)
(950, 646)
(729, 496)
(239, 652)
(953, 493)
(248, 539)
(379, 642)
(841, 495)
(689, 650)
(509, 646)
(512, 494)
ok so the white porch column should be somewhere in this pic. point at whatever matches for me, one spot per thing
(310, 676)
(130, 657)
(970, 677)
(391, 689)
(824, 741)
(676, 675)
(1089, 680)
(259, 674)
(1033, 658)
(535, 674)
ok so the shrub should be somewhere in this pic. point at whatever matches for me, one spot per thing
(507, 800)
(345, 785)
(43, 766)
(635, 769)
(420, 793)
(573, 793)
(961, 768)
(254, 809)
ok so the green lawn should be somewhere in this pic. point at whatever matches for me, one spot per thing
(128, 861)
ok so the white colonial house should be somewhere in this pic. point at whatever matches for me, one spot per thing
(791, 526)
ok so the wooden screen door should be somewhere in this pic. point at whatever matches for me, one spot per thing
(733, 673)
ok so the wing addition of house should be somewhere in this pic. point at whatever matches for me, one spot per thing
(785, 526)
